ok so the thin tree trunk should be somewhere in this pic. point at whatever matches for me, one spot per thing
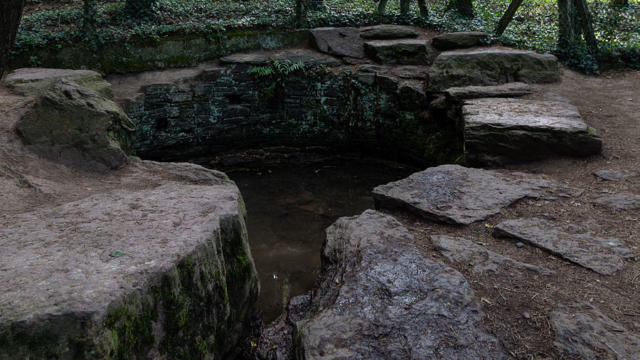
(10, 14)
(382, 7)
(463, 7)
(564, 26)
(506, 18)
(299, 12)
(89, 18)
(586, 24)
(422, 5)
(404, 7)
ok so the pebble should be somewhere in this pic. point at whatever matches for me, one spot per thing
(526, 315)
(519, 244)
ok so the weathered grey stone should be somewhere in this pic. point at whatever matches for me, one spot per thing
(371, 68)
(380, 299)
(622, 201)
(459, 40)
(32, 81)
(158, 273)
(503, 90)
(613, 175)
(411, 94)
(503, 130)
(583, 331)
(461, 250)
(76, 126)
(305, 56)
(385, 32)
(460, 195)
(491, 66)
(602, 255)
(411, 72)
(342, 41)
(246, 59)
(405, 52)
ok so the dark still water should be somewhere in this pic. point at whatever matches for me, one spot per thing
(288, 210)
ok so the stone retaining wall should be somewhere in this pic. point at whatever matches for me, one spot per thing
(228, 108)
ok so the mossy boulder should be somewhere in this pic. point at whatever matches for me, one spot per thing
(73, 119)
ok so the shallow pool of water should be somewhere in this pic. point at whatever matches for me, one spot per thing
(288, 211)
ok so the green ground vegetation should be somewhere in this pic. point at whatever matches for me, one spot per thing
(534, 27)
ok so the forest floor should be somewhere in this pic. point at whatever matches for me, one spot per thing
(518, 308)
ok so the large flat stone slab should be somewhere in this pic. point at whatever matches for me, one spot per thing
(602, 255)
(503, 90)
(380, 299)
(460, 195)
(503, 130)
(584, 331)
(158, 273)
(460, 40)
(491, 66)
(305, 56)
(621, 201)
(481, 259)
(386, 32)
(338, 41)
(402, 52)
(33, 80)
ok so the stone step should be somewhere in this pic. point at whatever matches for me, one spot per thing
(459, 195)
(338, 41)
(401, 52)
(463, 251)
(386, 32)
(602, 255)
(460, 40)
(503, 90)
(508, 130)
(129, 274)
(491, 66)
(305, 56)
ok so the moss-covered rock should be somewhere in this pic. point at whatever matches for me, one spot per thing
(73, 119)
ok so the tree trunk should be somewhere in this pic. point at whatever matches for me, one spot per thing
(89, 19)
(404, 7)
(382, 7)
(586, 23)
(422, 5)
(299, 12)
(506, 18)
(10, 14)
(463, 7)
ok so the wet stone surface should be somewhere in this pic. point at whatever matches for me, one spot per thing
(461, 250)
(622, 201)
(381, 299)
(583, 331)
(602, 255)
(460, 195)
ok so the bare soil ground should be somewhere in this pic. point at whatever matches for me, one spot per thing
(517, 306)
